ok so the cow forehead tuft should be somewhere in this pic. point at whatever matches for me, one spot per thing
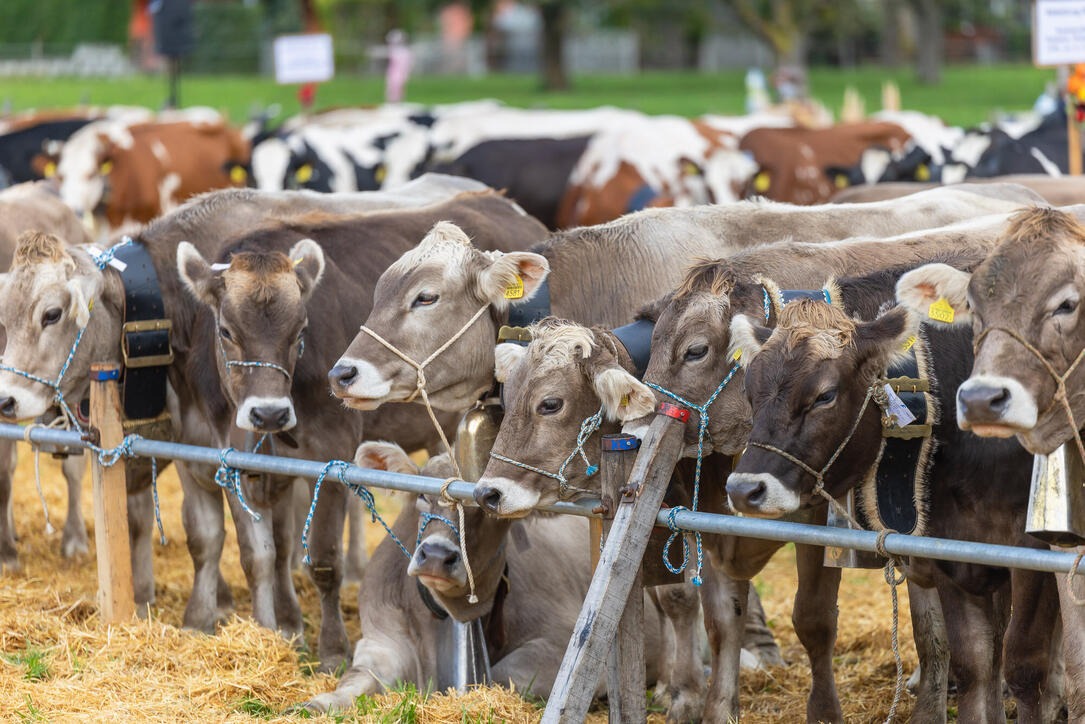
(244, 287)
(35, 247)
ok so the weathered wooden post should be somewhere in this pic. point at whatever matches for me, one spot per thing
(625, 665)
(619, 565)
(115, 597)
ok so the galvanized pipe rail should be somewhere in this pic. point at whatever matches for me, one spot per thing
(778, 530)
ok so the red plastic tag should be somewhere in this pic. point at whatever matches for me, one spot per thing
(678, 413)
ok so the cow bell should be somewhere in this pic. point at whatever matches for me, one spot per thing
(475, 437)
(462, 660)
(1056, 506)
(847, 557)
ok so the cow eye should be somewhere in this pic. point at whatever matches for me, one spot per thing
(824, 398)
(225, 334)
(1067, 307)
(424, 299)
(550, 405)
(51, 316)
(696, 352)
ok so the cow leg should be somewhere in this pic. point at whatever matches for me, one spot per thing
(726, 603)
(757, 637)
(975, 633)
(205, 533)
(814, 617)
(73, 542)
(1073, 644)
(1027, 643)
(357, 558)
(679, 605)
(287, 608)
(932, 648)
(140, 529)
(257, 548)
(326, 571)
(667, 651)
(9, 555)
(377, 663)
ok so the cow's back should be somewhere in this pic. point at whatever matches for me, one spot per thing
(31, 206)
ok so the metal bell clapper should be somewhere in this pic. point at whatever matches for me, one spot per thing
(847, 557)
(1056, 506)
(475, 437)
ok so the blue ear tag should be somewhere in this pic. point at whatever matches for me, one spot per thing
(592, 470)
(696, 581)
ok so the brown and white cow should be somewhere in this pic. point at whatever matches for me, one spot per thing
(527, 622)
(119, 175)
(808, 383)
(793, 161)
(1023, 306)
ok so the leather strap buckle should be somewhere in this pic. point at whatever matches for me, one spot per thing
(144, 326)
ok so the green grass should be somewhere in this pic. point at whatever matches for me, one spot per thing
(967, 94)
(34, 661)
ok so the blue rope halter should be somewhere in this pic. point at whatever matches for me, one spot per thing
(258, 363)
(425, 519)
(587, 427)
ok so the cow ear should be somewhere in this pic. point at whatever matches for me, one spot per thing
(308, 260)
(203, 281)
(886, 339)
(624, 397)
(936, 284)
(747, 339)
(506, 357)
(384, 456)
(82, 290)
(513, 277)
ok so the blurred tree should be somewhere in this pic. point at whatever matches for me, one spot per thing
(931, 48)
(555, 24)
(783, 24)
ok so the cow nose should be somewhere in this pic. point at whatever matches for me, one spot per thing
(488, 498)
(746, 494)
(7, 407)
(437, 554)
(343, 375)
(982, 403)
(269, 418)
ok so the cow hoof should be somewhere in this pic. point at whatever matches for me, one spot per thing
(661, 697)
(9, 564)
(332, 663)
(323, 703)
(686, 706)
(74, 544)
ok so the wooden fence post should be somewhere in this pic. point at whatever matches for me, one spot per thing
(115, 597)
(625, 665)
(619, 564)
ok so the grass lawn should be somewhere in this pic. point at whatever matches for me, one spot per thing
(966, 96)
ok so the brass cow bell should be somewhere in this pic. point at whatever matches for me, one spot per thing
(475, 437)
(1056, 506)
(847, 557)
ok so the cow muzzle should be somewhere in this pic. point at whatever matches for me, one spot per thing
(266, 414)
(505, 498)
(359, 384)
(437, 564)
(761, 495)
(993, 406)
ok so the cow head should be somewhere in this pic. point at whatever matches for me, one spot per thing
(551, 387)
(423, 300)
(259, 302)
(1028, 290)
(806, 382)
(693, 352)
(51, 296)
(86, 163)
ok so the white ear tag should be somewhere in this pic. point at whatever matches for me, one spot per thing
(898, 412)
(219, 266)
(113, 262)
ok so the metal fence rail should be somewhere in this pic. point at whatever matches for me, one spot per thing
(897, 544)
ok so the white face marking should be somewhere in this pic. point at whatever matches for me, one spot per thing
(167, 187)
(873, 163)
(516, 500)
(776, 500)
(1019, 412)
(244, 412)
(636, 428)
(31, 399)
(270, 160)
(368, 388)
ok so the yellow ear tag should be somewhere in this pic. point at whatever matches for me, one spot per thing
(379, 174)
(624, 402)
(941, 311)
(238, 175)
(298, 261)
(922, 172)
(304, 173)
(761, 182)
(106, 167)
(690, 169)
(515, 290)
(841, 181)
(737, 355)
(90, 305)
(50, 169)
(909, 342)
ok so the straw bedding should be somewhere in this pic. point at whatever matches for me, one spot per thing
(60, 663)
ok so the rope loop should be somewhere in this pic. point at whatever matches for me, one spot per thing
(893, 581)
(229, 479)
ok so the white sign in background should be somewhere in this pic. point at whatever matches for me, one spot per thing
(304, 58)
(1058, 32)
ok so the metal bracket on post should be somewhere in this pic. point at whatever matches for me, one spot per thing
(587, 653)
(116, 600)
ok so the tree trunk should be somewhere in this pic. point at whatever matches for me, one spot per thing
(890, 40)
(931, 46)
(792, 53)
(554, 18)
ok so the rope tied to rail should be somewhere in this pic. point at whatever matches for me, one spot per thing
(588, 426)
(108, 457)
(229, 478)
(448, 501)
(702, 433)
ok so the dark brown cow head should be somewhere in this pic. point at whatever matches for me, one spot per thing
(806, 382)
(259, 302)
(1028, 291)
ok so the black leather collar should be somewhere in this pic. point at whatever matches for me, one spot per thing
(430, 602)
(145, 336)
(637, 340)
(525, 313)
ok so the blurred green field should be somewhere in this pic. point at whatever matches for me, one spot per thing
(966, 96)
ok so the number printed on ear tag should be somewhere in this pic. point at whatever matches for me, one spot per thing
(909, 342)
(515, 290)
(941, 311)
